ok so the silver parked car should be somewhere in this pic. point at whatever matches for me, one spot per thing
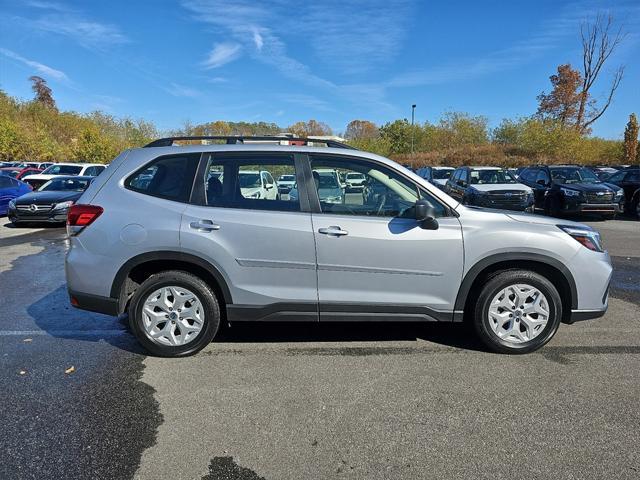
(181, 249)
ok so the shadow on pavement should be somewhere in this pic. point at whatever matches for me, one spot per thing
(452, 335)
(53, 314)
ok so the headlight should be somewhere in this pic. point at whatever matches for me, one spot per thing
(585, 236)
(618, 196)
(62, 205)
(12, 204)
(570, 192)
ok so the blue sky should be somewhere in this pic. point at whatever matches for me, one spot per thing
(284, 61)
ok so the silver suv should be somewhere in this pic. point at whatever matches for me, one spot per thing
(168, 235)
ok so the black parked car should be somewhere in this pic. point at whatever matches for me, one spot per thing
(438, 176)
(629, 181)
(571, 189)
(489, 187)
(51, 202)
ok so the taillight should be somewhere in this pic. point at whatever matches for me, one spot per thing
(81, 216)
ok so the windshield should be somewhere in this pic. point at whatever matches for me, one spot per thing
(573, 175)
(249, 180)
(441, 174)
(326, 179)
(355, 176)
(62, 170)
(64, 185)
(481, 177)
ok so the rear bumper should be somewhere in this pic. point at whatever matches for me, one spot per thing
(580, 315)
(94, 303)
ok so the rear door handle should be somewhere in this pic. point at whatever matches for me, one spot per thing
(333, 230)
(204, 226)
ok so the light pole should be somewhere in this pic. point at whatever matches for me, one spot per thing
(413, 115)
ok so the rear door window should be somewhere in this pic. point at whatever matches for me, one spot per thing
(246, 181)
(169, 177)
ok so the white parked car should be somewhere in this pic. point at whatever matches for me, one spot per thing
(257, 184)
(83, 169)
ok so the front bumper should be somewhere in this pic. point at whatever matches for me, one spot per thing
(486, 201)
(45, 216)
(583, 207)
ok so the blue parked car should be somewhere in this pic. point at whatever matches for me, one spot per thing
(10, 188)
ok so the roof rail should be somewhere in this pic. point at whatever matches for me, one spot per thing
(240, 139)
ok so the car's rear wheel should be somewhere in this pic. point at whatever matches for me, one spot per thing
(517, 311)
(174, 314)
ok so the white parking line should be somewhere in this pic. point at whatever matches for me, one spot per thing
(62, 333)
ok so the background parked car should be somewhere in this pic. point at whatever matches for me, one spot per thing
(629, 181)
(286, 183)
(571, 189)
(19, 172)
(257, 184)
(10, 188)
(51, 202)
(489, 187)
(329, 186)
(84, 169)
(354, 181)
(438, 176)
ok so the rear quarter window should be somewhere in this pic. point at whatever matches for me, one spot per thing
(169, 177)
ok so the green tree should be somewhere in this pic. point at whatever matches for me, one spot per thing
(310, 128)
(361, 129)
(631, 139)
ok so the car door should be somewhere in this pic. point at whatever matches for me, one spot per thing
(374, 260)
(7, 192)
(542, 183)
(630, 184)
(263, 247)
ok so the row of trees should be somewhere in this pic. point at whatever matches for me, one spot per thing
(559, 131)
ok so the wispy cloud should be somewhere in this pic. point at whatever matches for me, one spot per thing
(85, 32)
(41, 68)
(59, 19)
(357, 37)
(257, 38)
(221, 54)
(304, 100)
(549, 35)
(178, 90)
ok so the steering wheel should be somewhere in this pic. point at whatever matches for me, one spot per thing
(382, 199)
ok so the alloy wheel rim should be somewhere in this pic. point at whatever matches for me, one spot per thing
(172, 316)
(518, 313)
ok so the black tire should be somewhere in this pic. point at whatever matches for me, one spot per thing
(491, 289)
(552, 206)
(201, 289)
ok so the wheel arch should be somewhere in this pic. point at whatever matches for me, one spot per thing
(554, 270)
(141, 266)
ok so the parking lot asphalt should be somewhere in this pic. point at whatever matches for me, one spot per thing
(310, 401)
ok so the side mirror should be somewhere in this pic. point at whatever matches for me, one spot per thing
(268, 186)
(425, 215)
(541, 182)
(461, 183)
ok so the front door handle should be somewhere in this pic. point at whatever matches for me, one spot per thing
(204, 226)
(333, 230)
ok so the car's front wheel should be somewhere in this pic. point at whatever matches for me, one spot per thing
(517, 311)
(174, 314)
